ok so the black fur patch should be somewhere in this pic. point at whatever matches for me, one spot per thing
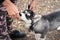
(52, 16)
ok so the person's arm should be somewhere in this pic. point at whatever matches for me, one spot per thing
(33, 4)
(11, 9)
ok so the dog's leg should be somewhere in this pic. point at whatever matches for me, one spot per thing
(37, 36)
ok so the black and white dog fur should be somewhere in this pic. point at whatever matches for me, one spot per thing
(41, 24)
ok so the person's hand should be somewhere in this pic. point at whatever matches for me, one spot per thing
(32, 6)
(12, 9)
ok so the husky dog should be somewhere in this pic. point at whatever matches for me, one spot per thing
(41, 24)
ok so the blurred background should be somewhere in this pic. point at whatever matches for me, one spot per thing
(43, 7)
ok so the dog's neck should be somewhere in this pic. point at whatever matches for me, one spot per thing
(29, 24)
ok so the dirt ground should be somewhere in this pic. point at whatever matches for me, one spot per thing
(43, 7)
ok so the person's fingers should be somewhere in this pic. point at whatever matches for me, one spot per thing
(31, 7)
(13, 11)
(11, 16)
(18, 16)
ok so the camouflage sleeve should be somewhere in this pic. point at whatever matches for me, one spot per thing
(13, 1)
(2, 7)
(1, 1)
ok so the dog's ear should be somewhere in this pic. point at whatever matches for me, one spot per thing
(28, 6)
(37, 17)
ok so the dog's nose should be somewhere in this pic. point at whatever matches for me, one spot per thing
(20, 14)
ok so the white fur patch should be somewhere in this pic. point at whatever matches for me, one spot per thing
(27, 13)
(37, 17)
(23, 16)
(27, 21)
(58, 28)
(37, 36)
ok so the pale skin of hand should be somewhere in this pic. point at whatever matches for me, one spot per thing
(11, 9)
(33, 4)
